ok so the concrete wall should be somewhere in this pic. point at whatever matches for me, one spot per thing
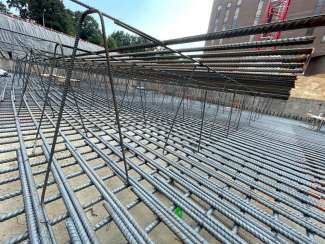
(6, 64)
(316, 66)
(294, 107)
(297, 107)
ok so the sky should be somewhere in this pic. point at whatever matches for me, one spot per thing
(163, 19)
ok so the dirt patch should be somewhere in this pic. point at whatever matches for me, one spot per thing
(310, 87)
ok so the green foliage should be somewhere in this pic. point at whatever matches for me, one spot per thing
(20, 5)
(70, 22)
(57, 17)
(53, 12)
(111, 42)
(125, 39)
(179, 212)
(90, 29)
(3, 8)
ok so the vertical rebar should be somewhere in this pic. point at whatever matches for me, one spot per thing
(202, 119)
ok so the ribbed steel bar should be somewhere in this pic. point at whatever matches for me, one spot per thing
(96, 149)
(307, 22)
(180, 54)
(302, 23)
(255, 178)
(43, 230)
(72, 203)
(297, 51)
(99, 118)
(258, 44)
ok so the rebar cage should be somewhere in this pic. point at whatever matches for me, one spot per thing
(142, 144)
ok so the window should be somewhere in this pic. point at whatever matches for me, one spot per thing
(319, 6)
(258, 16)
(215, 26)
(235, 20)
(216, 23)
(259, 12)
(225, 20)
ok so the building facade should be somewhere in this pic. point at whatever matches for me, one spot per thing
(231, 14)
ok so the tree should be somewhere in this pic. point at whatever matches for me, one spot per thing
(20, 5)
(52, 11)
(55, 16)
(90, 29)
(111, 42)
(70, 22)
(123, 39)
(3, 8)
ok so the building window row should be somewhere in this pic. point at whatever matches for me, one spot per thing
(225, 20)
(258, 16)
(226, 16)
(216, 22)
(235, 20)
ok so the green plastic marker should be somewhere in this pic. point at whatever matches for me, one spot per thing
(179, 212)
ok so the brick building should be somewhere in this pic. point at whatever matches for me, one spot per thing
(230, 14)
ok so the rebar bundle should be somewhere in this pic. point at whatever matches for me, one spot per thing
(146, 145)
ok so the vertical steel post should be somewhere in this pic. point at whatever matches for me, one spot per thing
(202, 120)
(174, 119)
(230, 115)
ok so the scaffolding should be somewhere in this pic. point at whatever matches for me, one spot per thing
(275, 11)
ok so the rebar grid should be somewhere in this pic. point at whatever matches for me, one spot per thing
(165, 145)
(251, 190)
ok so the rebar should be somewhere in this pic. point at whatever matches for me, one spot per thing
(143, 145)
